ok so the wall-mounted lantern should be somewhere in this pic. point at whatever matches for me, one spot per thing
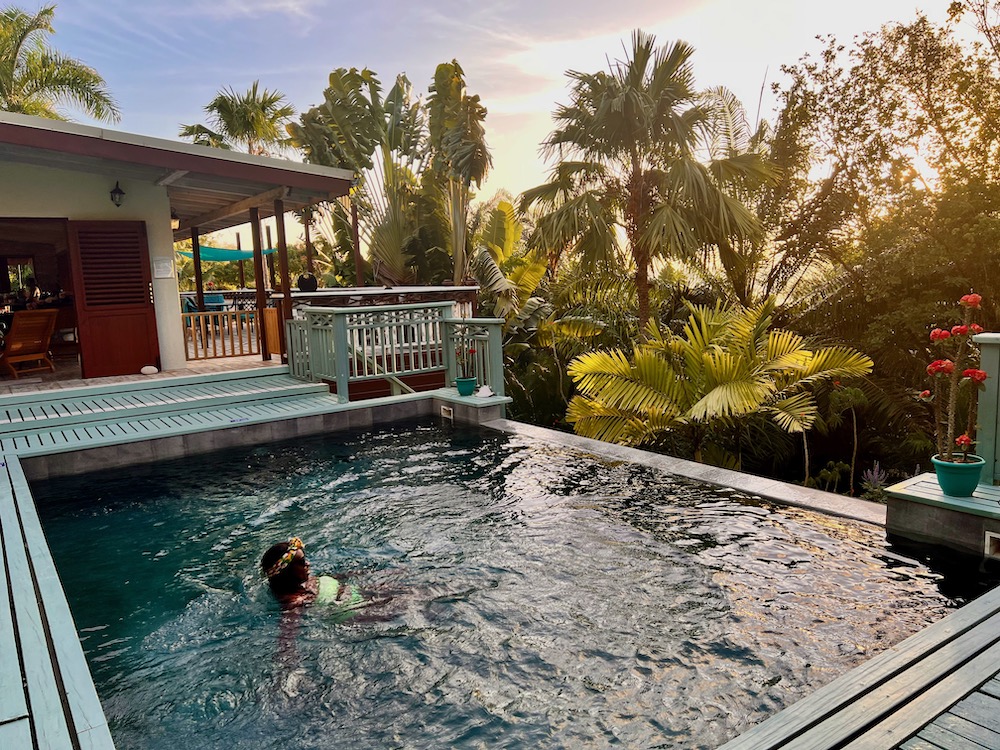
(117, 195)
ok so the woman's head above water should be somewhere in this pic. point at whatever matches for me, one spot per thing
(287, 572)
(286, 567)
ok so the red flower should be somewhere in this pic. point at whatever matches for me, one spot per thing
(964, 360)
(924, 396)
(941, 367)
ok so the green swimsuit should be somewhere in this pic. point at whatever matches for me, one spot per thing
(328, 590)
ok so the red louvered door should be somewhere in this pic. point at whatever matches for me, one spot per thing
(114, 297)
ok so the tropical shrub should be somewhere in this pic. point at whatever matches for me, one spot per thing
(726, 369)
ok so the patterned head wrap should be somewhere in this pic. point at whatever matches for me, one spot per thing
(294, 545)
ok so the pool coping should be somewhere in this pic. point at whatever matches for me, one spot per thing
(764, 487)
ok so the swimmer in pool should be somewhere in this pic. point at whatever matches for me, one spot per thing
(287, 571)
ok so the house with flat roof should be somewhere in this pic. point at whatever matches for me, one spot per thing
(95, 213)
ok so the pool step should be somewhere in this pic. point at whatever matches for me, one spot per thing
(133, 428)
(78, 408)
(76, 419)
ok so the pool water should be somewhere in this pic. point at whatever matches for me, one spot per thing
(542, 598)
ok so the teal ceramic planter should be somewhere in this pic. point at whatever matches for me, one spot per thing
(466, 386)
(958, 479)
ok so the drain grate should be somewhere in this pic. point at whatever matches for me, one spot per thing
(992, 546)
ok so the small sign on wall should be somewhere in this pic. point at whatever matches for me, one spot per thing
(163, 268)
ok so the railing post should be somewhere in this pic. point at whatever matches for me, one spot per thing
(450, 360)
(341, 356)
(297, 338)
(988, 415)
(495, 376)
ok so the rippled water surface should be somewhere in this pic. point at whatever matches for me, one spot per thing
(542, 599)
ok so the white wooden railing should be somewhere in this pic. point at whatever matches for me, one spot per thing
(227, 333)
(351, 344)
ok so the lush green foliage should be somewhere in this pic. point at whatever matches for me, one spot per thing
(461, 157)
(900, 132)
(415, 162)
(884, 203)
(726, 366)
(628, 145)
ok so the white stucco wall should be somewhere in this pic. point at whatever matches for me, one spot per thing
(41, 192)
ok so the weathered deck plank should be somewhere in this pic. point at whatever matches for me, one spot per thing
(886, 701)
(56, 691)
(964, 728)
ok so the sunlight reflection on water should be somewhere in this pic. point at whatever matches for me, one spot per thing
(544, 598)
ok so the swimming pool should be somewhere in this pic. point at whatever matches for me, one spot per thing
(545, 598)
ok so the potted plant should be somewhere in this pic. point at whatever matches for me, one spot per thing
(465, 357)
(957, 381)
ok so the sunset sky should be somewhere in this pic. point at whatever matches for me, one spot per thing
(165, 59)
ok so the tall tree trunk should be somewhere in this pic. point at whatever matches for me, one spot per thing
(854, 451)
(805, 450)
(642, 291)
(457, 210)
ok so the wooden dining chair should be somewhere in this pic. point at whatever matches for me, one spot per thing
(28, 342)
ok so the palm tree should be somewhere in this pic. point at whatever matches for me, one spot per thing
(727, 366)
(36, 80)
(628, 144)
(253, 122)
(461, 155)
(384, 141)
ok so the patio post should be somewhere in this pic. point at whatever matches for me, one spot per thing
(196, 258)
(494, 330)
(310, 268)
(258, 272)
(342, 362)
(270, 260)
(242, 276)
(286, 283)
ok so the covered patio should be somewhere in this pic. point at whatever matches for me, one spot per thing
(98, 212)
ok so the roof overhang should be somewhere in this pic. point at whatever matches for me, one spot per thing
(209, 188)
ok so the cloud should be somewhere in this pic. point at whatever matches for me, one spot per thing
(297, 9)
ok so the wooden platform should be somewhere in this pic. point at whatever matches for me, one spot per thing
(918, 511)
(940, 684)
(19, 414)
(47, 697)
(44, 423)
(924, 489)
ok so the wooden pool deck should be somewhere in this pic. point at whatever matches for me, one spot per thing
(47, 697)
(938, 690)
(917, 510)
